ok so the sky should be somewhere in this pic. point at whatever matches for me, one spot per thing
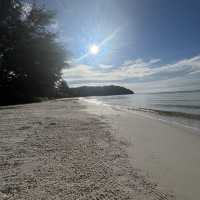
(145, 45)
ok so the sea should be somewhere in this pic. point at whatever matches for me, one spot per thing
(177, 107)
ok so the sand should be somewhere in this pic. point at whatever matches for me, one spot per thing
(69, 149)
(169, 154)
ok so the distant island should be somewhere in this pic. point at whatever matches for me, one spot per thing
(86, 91)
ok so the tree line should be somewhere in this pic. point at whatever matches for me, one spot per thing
(85, 91)
(31, 59)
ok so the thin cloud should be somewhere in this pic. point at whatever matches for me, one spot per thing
(137, 70)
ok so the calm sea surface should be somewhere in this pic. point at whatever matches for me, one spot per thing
(174, 107)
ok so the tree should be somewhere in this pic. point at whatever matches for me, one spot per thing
(63, 89)
(31, 60)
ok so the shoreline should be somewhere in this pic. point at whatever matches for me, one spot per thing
(58, 150)
(180, 119)
(167, 153)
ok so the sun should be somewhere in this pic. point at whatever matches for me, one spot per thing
(94, 49)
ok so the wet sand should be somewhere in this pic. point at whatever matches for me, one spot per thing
(168, 154)
(66, 149)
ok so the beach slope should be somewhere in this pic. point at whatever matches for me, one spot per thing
(59, 150)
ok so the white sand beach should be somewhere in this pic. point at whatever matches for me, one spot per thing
(167, 152)
(72, 149)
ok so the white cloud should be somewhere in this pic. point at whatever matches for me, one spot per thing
(54, 26)
(26, 8)
(154, 61)
(133, 71)
(105, 66)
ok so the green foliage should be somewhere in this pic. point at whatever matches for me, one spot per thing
(30, 58)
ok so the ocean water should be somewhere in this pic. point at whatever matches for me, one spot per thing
(182, 107)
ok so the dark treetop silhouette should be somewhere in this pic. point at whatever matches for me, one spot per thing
(30, 58)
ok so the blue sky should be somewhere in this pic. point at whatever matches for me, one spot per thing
(146, 45)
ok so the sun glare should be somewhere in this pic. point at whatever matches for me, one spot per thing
(94, 49)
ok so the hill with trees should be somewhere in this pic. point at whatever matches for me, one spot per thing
(85, 91)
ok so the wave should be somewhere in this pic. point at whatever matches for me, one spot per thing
(174, 92)
(188, 120)
(179, 106)
(168, 113)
